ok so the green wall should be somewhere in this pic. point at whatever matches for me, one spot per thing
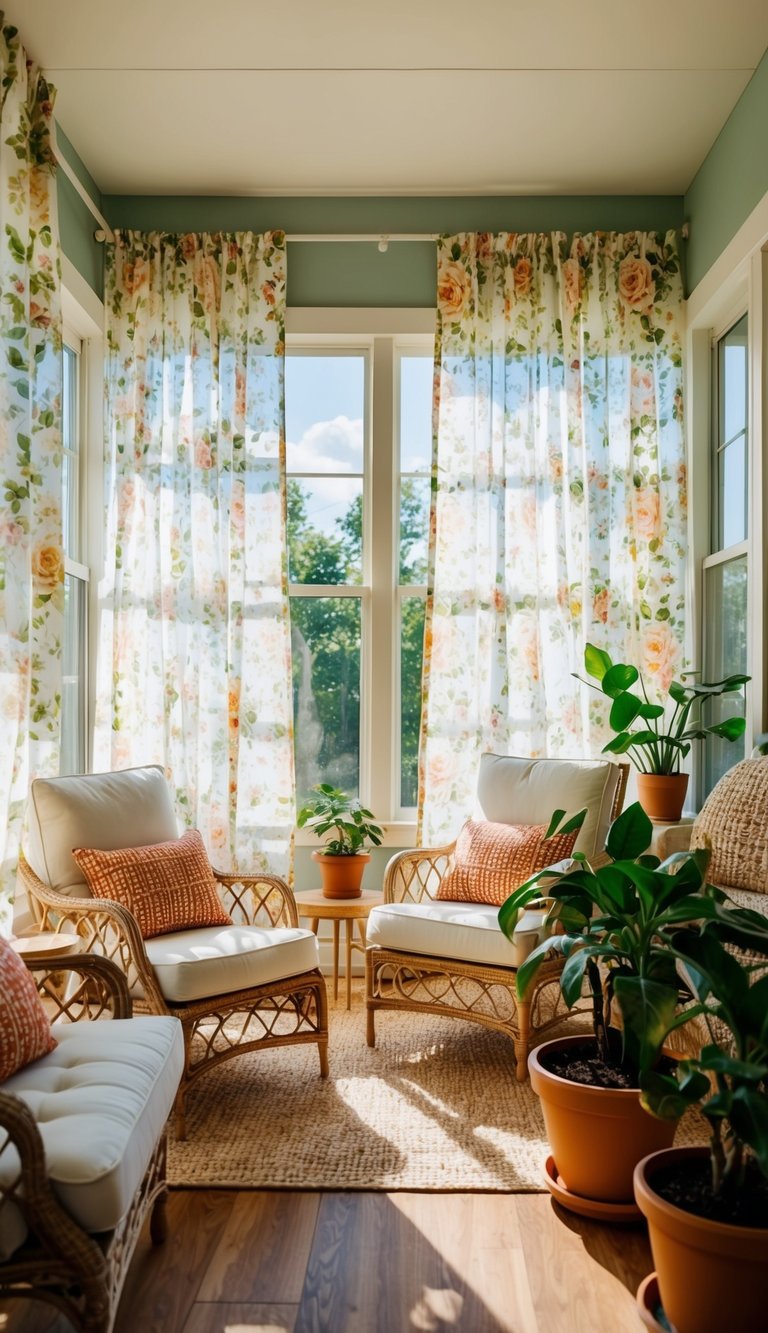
(76, 222)
(354, 274)
(732, 179)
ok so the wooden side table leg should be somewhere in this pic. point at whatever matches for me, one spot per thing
(336, 925)
(350, 926)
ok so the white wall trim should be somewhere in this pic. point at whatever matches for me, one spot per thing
(729, 269)
(81, 306)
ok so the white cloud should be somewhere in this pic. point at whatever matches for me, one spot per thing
(328, 446)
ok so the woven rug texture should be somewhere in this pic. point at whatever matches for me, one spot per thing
(435, 1106)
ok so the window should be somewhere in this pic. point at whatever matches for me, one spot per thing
(725, 569)
(74, 685)
(358, 456)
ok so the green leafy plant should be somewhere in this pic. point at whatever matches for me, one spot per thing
(333, 809)
(620, 922)
(663, 734)
(728, 1081)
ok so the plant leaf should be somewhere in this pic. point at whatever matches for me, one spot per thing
(648, 1010)
(624, 709)
(630, 834)
(730, 729)
(618, 678)
(749, 1118)
(596, 662)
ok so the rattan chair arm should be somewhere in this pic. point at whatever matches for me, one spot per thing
(82, 915)
(106, 988)
(408, 874)
(246, 895)
(30, 1190)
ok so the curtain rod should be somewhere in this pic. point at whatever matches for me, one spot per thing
(382, 239)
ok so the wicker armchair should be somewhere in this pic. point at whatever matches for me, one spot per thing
(450, 958)
(280, 997)
(47, 1251)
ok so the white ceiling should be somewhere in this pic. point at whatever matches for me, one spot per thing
(406, 97)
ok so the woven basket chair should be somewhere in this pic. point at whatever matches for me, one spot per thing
(399, 978)
(287, 1009)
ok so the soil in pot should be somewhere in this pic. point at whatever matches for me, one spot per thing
(687, 1184)
(582, 1064)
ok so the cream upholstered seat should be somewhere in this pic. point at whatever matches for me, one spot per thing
(83, 1143)
(451, 958)
(253, 984)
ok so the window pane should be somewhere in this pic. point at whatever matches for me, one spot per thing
(411, 653)
(324, 413)
(414, 529)
(73, 694)
(416, 413)
(725, 654)
(70, 442)
(325, 647)
(733, 493)
(733, 381)
(325, 526)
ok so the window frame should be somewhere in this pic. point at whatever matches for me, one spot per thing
(383, 335)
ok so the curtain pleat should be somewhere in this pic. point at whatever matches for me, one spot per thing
(194, 656)
(559, 495)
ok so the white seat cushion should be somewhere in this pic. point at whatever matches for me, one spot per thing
(195, 964)
(528, 791)
(101, 1100)
(469, 932)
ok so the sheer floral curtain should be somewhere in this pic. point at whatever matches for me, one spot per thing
(559, 494)
(194, 668)
(31, 557)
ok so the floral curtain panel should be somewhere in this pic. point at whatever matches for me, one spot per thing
(194, 667)
(31, 558)
(559, 495)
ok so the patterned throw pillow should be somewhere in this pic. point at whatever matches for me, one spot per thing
(492, 860)
(168, 886)
(25, 1033)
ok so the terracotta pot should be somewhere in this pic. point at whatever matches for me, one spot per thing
(597, 1135)
(711, 1275)
(342, 875)
(662, 795)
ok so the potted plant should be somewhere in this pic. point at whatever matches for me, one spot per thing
(656, 736)
(343, 859)
(707, 1210)
(615, 921)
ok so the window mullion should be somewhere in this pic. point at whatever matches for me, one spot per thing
(381, 728)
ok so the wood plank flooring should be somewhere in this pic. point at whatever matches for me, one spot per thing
(240, 1261)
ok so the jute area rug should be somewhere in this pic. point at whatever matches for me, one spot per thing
(435, 1106)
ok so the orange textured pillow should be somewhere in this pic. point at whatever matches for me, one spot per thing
(492, 860)
(168, 886)
(25, 1033)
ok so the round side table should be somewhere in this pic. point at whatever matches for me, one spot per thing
(40, 945)
(354, 911)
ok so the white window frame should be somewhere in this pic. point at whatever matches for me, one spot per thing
(736, 284)
(381, 335)
(83, 321)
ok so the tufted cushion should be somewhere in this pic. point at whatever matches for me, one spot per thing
(492, 860)
(466, 931)
(101, 1100)
(195, 964)
(733, 822)
(525, 791)
(168, 887)
(25, 1033)
(131, 808)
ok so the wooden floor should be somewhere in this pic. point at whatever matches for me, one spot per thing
(264, 1262)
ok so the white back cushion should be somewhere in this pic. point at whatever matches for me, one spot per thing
(528, 791)
(104, 810)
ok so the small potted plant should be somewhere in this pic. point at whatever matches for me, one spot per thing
(615, 922)
(343, 859)
(707, 1209)
(655, 736)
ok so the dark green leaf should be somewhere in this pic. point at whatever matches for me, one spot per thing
(749, 1118)
(630, 834)
(648, 1010)
(557, 815)
(619, 744)
(617, 679)
(730, 729)
(624, 709)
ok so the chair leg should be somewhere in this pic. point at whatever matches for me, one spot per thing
(179, 1111)
(321, 1002)
(370, 1029)
(370, 1025)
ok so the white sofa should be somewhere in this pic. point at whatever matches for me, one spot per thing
(82, 1145)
